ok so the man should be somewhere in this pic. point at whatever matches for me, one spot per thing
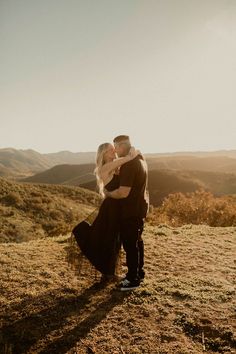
(133, 209)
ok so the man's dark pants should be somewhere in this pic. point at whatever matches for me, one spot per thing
(130, 233)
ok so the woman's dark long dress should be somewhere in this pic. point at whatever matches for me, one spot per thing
(99, 242)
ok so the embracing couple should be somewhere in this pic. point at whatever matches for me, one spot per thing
(121, 173)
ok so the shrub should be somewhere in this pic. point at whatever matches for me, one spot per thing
(12, 199)
(55, 215)
(200, 207)
(55, 228)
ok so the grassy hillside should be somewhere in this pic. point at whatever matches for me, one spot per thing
(30, 211)
(20, 163)
(5, 172)
(186, 304)
(194, 162)
(161, 182)
(65, 174)
(164, 182)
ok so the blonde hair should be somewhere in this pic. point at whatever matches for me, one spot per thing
(99, 163)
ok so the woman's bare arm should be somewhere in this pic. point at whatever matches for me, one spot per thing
(113, 165)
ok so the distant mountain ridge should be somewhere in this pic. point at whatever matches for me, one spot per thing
(162, 181)
(23, 163)
(226, 153)
(200, 163)
(64, 174)
(68, 157)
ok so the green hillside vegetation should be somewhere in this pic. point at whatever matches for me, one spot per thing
(65, 174)
(161, 182)
(30, 211)
(165, 182)
(199, 207)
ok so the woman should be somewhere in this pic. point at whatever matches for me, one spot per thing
(99, 242)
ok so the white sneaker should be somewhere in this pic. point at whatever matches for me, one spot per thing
(129, 285)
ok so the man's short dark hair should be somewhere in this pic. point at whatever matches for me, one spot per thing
(120, 138)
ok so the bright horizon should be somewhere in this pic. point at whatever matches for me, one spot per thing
(75, 74)
(144, 152)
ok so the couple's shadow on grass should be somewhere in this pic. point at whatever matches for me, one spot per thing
(59, 326)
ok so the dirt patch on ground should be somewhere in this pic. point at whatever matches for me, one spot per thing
(186, 304)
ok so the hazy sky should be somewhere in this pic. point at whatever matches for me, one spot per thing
(74, 74)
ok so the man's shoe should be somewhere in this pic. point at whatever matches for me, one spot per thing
(129, 285)
(124, 279)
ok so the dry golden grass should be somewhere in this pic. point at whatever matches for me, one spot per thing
(186, 303)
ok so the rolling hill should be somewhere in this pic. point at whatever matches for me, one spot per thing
(24, 163)
(21, 163)
(191, 163)
(68, 157)
(31, 211)
(226, 153)
(168, 173)
(64, 174)
(161, 182)
(164, 182)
